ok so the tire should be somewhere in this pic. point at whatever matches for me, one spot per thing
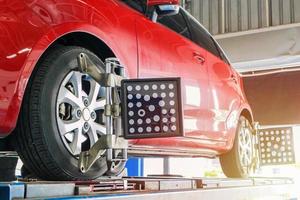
(26, 174)
(42, 145)
(235, 165)
(115, 168)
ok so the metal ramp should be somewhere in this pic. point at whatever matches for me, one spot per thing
(153, 188)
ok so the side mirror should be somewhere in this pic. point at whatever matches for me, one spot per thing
(165, 10)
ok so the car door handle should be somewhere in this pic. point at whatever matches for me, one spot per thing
(199, 58)
(233, 78)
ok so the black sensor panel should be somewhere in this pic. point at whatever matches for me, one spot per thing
(152, 108)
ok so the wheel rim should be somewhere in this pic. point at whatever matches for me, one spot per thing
(80, 112)
(245, 146)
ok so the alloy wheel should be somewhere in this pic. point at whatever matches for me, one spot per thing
(245, 146)
(80, 112)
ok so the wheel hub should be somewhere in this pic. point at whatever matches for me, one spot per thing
(79, 108)
(246, 146)
(86, 114)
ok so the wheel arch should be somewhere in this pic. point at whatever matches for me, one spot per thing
(76, 38)
(86, 39)
(247, 114)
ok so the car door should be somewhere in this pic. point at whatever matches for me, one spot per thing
(223, 83)
(225, 91)
(166, 50)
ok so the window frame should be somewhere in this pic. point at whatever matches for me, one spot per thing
(184, 19)
(194, 38)
(221, 55)
(142, 11)
(152, 15)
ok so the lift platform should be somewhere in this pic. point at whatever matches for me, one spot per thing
(148, 188)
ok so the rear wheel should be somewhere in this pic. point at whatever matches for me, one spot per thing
(240, 160)
(62, 114)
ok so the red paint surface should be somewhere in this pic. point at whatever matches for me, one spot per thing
(146, 49)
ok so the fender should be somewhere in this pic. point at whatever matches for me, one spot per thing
(106, 31)
(244, 110)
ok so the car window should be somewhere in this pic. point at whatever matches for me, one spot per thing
(138, 5)
(176, 23)
(200, 36)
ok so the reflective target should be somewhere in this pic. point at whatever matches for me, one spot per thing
(276, 146)
(151, 108)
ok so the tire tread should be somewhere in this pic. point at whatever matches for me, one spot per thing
(31, 145)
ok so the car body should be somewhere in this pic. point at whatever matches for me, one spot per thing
(212, 91)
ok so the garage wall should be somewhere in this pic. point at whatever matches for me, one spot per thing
(274, 99)
(226, 16)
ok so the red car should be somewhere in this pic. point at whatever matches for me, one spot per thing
(42, 97)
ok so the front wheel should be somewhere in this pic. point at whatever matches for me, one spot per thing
(62, 115)
(240, 160)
